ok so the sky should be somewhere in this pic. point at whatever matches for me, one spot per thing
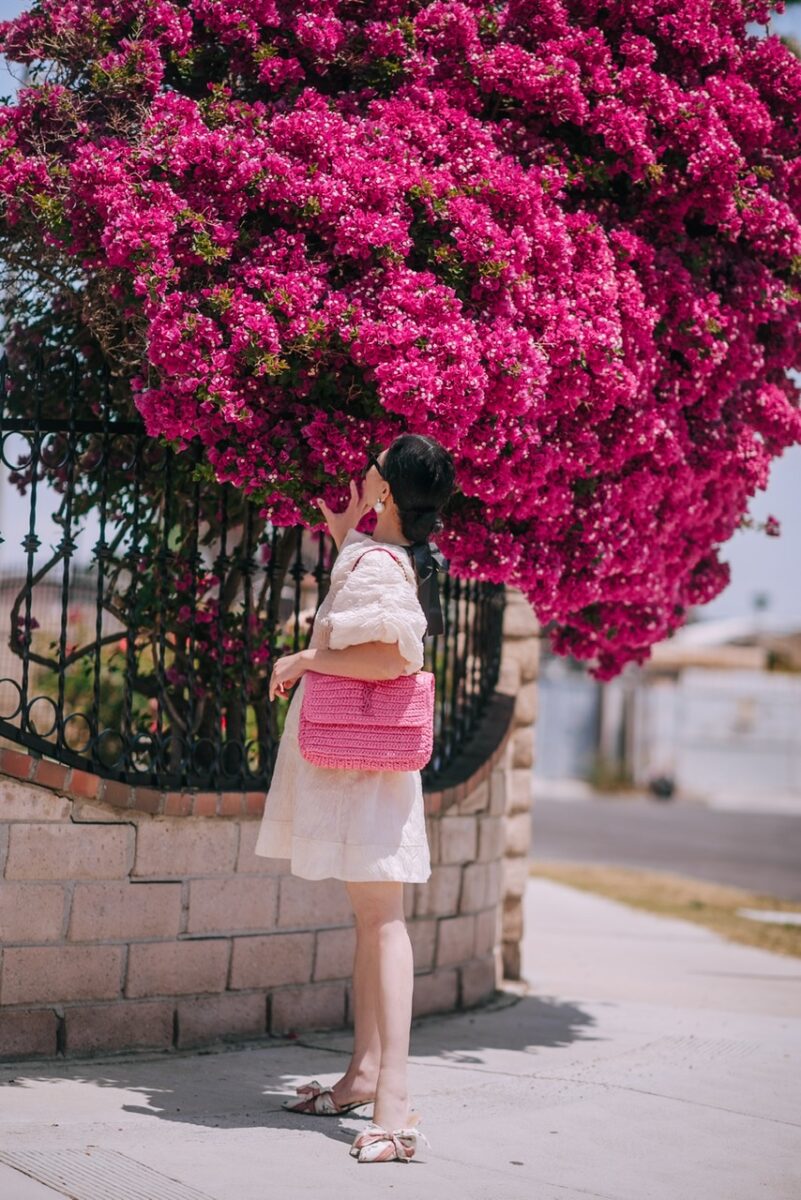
(764, 570)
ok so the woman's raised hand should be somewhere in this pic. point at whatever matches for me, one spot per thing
(340, 523)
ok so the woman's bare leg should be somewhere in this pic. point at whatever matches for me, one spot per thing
(381, 924)
(360, 1079)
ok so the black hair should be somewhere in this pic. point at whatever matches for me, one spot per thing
(421, 477)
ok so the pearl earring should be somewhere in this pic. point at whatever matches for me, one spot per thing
(379, 506)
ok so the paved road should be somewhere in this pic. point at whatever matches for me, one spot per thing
(758, 851)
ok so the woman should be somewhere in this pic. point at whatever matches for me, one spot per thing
(366, 827)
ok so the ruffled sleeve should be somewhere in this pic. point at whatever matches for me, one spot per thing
(377, 602)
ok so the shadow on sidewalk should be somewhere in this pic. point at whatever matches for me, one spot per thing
(241, 1085)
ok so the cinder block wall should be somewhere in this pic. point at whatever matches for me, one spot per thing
(132, 919)
(519, 673)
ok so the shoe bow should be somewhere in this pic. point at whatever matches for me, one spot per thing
(367, 1136)
(313, 1090)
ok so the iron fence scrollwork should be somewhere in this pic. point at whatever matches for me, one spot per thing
(140, 647)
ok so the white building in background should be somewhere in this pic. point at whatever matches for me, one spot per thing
(714, 716)
(717, 710)
(720, 734)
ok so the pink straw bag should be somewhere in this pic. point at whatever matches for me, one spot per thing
(367, 724)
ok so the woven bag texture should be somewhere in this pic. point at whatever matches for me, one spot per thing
(367, 724)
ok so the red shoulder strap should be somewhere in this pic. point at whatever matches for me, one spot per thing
(389, 552)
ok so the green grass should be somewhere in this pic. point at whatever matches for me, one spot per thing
(667, 894)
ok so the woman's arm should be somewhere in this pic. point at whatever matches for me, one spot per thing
(363, 660)
(367, 660)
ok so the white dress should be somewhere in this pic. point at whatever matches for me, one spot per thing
(345, 824)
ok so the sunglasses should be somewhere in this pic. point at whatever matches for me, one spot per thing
(372, 461)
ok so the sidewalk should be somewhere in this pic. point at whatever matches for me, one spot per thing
(650, 1060)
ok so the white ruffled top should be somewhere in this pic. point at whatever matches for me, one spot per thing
(344, 824)
(373, 598)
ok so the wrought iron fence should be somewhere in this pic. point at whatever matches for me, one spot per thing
(140, 647)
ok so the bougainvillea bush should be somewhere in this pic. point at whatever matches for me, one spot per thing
(562, 238)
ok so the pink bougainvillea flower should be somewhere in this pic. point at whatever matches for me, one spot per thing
(561, 237)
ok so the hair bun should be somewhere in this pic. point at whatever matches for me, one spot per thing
(421, 476)
(420, 512)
